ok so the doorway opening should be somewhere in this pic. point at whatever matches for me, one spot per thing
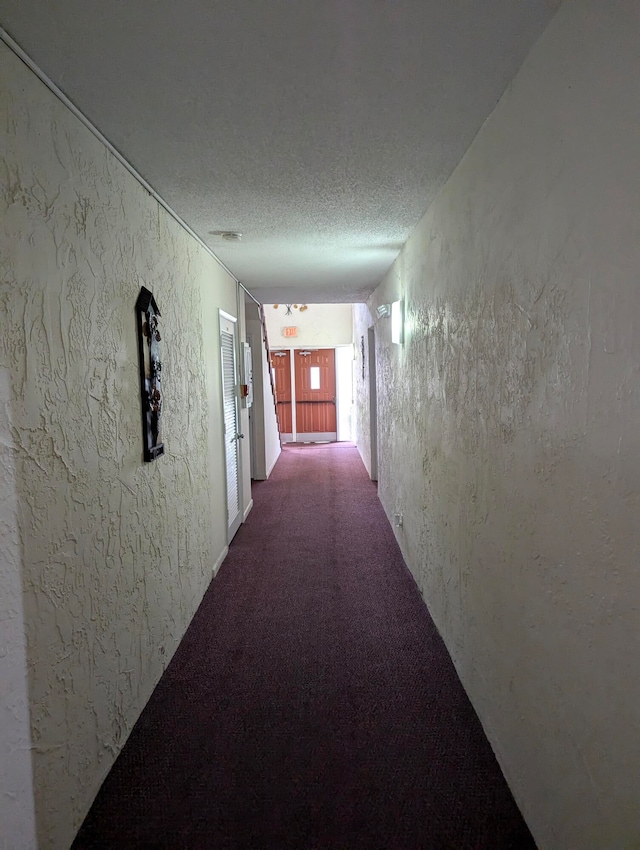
(314, 393)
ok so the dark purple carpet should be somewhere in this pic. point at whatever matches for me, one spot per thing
(311, 704)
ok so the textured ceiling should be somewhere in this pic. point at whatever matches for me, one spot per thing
(320, 129)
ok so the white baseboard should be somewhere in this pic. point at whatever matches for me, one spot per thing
(270, 470)
(247, 510)
(221, 558)
(316, 437)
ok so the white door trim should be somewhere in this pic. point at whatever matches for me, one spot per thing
(231, 422)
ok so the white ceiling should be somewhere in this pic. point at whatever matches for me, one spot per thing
(320, 129)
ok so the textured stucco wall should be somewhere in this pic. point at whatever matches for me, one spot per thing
(319, 326)
(115, 554)
(508, 425)
(17, 812)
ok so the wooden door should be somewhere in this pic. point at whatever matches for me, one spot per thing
(281, 365)
(315, 395)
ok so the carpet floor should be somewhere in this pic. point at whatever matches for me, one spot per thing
(311, 704)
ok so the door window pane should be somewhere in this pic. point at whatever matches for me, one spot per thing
(315, 377)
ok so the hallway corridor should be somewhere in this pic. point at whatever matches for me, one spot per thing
(311, 704)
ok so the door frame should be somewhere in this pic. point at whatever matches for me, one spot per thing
(294, 434)
(232, 524)
(314, 436)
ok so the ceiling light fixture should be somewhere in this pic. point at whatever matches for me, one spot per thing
(227, 235)
(288, 307)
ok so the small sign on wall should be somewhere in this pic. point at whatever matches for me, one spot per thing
(289, 332)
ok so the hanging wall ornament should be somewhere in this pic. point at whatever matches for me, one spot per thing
(148, 315)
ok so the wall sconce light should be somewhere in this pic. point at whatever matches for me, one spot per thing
(397, 322)
(383, 311)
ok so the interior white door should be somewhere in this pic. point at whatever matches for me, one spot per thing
(231, 421)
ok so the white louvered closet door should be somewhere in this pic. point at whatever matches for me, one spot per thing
(231, 432)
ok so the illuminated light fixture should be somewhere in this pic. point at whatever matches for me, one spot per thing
(397, 322)
(383, 311)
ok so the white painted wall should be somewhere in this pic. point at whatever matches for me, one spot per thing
(362, 321)
(271, 432)
(508, 425)
(344, 392)
(245, 429)
(114, 555)
(267, 443)
(319, 326)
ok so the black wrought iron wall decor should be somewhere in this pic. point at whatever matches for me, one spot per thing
(363, 357)
(148, 315)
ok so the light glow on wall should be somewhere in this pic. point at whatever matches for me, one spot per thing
(397, 322)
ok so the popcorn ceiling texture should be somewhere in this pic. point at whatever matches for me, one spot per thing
(320, 130)
(507, 425)
(115, 554)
